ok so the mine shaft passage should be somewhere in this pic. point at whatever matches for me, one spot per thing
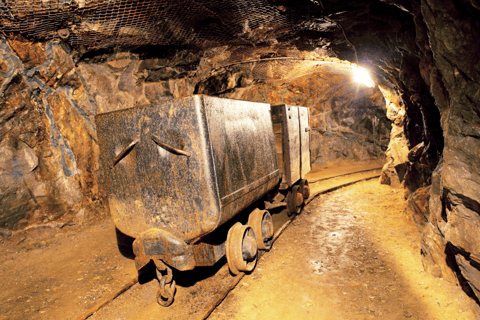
(226, 139)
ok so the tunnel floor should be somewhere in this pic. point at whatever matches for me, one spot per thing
(351, 254)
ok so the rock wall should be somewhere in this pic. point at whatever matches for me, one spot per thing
(437, 76)
(47, 141)
(453, 76)
(49, 97)
(439, 83)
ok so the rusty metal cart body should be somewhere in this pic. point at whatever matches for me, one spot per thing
(177, 171)
(292, 138)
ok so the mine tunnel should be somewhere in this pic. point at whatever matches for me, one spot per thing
(388, 229)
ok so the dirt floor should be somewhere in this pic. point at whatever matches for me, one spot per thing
(57, 273)
(351, 254)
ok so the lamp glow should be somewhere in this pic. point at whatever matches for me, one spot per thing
(362, 76)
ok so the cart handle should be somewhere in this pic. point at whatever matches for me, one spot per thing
(123, 153)
(170, 148)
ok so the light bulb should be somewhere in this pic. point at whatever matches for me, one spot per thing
(362, 76)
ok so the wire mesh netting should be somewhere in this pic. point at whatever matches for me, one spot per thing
(249, 27)
(104, 23)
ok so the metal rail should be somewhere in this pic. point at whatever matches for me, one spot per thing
(235, 280)
(344, 174)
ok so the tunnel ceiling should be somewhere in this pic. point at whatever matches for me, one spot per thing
(368, 32)
(199, 23)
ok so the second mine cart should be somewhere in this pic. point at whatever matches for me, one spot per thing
(292, 136)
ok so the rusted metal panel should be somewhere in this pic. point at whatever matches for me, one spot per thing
(287, 116)
(151, 186)
(304, 118)
(277, 114)
(291, 144)
(243, 146)
(177, 170)
(278, 131)
(292, 141)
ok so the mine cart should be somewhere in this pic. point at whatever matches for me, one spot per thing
(292, 137)
(178, 172)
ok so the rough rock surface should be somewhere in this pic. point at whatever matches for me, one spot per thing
(417, 206)
(454, 80)
(48, 164)
(396, 156)
(49, 153)
(425, 51)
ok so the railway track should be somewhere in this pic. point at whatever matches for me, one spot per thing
(201, 291)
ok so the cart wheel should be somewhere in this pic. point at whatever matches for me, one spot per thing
(241, 248)
(262, 225)
(294, 201)
(305, 188)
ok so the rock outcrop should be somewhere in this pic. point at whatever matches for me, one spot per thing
(396, 156)
(48, 159)
(453, 76)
